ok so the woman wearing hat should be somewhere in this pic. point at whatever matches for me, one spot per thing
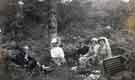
(93, 50)
(104, 50)
(91, 54)
(57, 53)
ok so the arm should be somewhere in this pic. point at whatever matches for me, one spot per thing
(52, 53)
(87, 54)
(61, 53)
(109, 52)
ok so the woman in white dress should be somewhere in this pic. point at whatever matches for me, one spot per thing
(104, 50)
(57, 53)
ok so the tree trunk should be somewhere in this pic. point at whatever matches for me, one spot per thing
(52, 21)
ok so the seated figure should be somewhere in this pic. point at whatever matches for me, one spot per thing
(57, 53)
(19, 57)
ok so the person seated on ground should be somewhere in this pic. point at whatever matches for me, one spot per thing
(32, 62)
(89, 56)
(92, 52)
(83, 49)
(16, 54)
(104, 50)
(20, 57)
(93, 48)
(57, 53)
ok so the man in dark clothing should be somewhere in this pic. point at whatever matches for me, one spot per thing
(18, 56)
(83, 49)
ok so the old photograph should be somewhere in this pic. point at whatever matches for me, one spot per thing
(67, 39)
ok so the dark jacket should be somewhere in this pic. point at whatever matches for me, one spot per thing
(83, 50)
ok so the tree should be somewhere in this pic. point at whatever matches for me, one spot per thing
(69, 13)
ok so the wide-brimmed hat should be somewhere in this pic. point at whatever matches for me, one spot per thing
(54, 40)
(102, 38)
(94, 39)
(26, 47)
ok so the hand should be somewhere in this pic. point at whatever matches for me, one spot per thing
(82, 59)
(26, 57)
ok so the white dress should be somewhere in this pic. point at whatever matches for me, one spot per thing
(57, 55)
(57, 52)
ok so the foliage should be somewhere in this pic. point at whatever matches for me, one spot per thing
(81, 20)
(70, 13)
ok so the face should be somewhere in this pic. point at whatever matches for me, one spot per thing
(54, 45)
(93, 42)
(101, 42)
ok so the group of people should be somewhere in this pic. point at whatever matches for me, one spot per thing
(96, 48)
(93, 52)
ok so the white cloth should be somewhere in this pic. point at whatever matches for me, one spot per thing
(107, 47)
(54, 40)
(57, 52)
(94, 49)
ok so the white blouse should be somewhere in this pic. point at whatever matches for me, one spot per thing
(57, 52)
